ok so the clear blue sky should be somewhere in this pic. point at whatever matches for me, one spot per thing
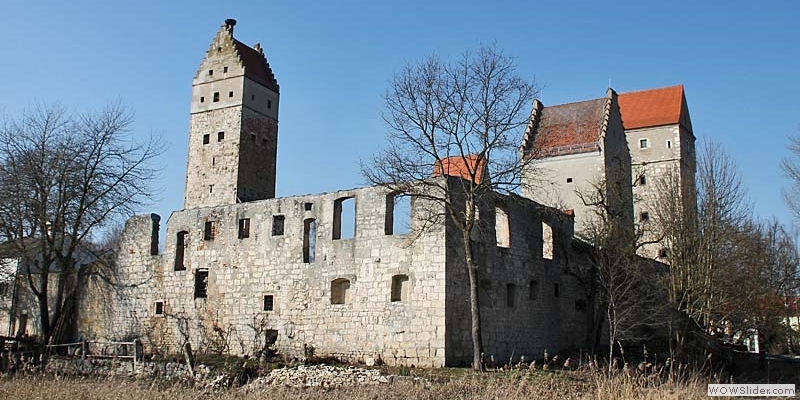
(739, 62)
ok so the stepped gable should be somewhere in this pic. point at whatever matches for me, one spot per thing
(255, 65)
(566, 129)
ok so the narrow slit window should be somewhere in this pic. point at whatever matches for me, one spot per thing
(669, 144)
(278, 222)
(344, 224)
(244, 228)
(309, 239)
(210, 188)
(159, 308)
(340, 291)
(180, 251)
(269, 103)
(399, 288)
(556, 290)
(547, 241)
(209, 230)
(269, 303)
(201, 284)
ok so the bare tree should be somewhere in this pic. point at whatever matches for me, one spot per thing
(791, 167)
(65, 176)
(464, 119)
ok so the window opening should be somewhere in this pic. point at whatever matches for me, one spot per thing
(201, 284)
(269, 302)
(269, 103)
(664, 252)
(224, 69)
(398, 214)
(669, 144)
(569, 180)
(216, 97)
(547, 241)
(277, 225)
(230, 94)
(180, 249)
(308, 206)
(202, 99)
(209, 230)
(642, 180)
(211, 72)
(220, 136)
(244, 228)
(159, 308)
(501, 227)
(533, 290)
(643, 143)
(399, 288)
(309, 239)
(555, 290)
(511, 295)
(344, 218)
(644, 216)
(340, 291)
(213, 160)
(206, 138)
(210, 188)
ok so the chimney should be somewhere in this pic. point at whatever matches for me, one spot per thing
(229, 24)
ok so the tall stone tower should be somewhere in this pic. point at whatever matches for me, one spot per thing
(233, 127)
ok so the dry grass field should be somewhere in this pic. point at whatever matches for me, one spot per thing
(462, 386)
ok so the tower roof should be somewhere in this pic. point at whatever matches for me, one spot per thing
(461, 166)
(255, 65)
(567, 128)
(652, 107)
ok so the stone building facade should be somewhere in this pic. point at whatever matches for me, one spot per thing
(242, 270)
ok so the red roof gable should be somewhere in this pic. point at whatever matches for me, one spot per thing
(463, 167)
(256, 66)
(653, 107)
(567, 128)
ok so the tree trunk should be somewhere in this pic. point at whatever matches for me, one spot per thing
(474, 304)
(44, 308)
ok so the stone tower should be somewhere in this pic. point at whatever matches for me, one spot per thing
(233, 126)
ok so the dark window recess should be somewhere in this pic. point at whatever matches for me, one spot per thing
(220, 136)
(201, 284)
(202, 99)
(569, 180)
(664, 252)
(253, 137)
(277, 225)
(210, 188)
(244, 228)
(252, 97)
(399, 288)
(211, 72)
(213, 160)
(219, 49)
(216, 97)
(344, 206)
(339, 291)
(555, 290)
(269, 303)
(269, 103)
(309, 240)
(642, 180)
(210, 230)
(511, 295)
(224, 69)
(206, 138)
(180, 249)
(580, 305)
(230, 94)
(644, 216)
(308, 206)
(533, 290)
(159, 308)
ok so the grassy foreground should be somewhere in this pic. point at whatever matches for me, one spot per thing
(539, 385)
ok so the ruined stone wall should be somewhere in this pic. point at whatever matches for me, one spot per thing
(241, 271)
(522, 290)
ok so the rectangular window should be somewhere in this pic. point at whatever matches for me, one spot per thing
(556, 290)
(569, 180)
(307, 206)
(669, 144)
(269, 303)
(210, 230)
(643, 143)
(159, 308)
(644, 216)
(206, 138)
(201, 284)
(202, 99)
(642, 180)
(230, 94)
(180, 250)
(211, 72)
(220, 136)
(269, 103)
(224, 69)
(216, 97)
(210, 188)
(244, 228)
(277, 225)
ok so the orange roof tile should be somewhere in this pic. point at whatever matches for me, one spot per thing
(464, 167)
(653, 107)
(568, 128)
(256, 66)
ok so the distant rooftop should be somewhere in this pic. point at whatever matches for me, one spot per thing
(652, 107)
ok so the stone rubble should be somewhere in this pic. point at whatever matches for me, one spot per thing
(319, 376)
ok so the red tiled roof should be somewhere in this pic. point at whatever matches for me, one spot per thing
(653, 107)
(570, 128)
(256, 66)
(463, 167)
